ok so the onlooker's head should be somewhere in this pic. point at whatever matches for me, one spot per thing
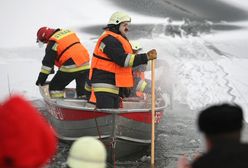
(118, 22)
(27, 140)
(44, 33)
(223, 121)
(87, 152)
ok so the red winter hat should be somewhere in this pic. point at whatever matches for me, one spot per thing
(44, 33)
(27, 140)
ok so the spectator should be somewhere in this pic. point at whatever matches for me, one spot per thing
(221, 126)
(27, 140)
(87, 152)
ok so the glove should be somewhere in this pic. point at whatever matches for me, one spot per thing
(41, 79)
(152, 54)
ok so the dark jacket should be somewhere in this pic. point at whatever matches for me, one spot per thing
(114, 50)
(224, 155)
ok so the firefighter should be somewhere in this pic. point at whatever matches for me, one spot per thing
(113, 60)
(141, 85)
(64, 50)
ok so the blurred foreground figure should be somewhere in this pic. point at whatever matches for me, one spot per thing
(27, 140)
(221, 126)
(87, 152)
(64, 50)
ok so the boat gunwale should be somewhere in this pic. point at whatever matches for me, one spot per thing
(57, 103)
(119, 110)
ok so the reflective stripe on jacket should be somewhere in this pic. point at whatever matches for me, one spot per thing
(102, 87)
(123, 75)
(69, 46)
(140, 75)
(140, 88)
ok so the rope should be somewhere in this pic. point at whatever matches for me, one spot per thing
(97, 127)
(111, 144)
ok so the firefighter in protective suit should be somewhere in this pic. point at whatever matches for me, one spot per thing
(112, 62)
(141, 85)
(64, 50)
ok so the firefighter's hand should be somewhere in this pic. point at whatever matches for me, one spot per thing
(152, 54)
(41, 79)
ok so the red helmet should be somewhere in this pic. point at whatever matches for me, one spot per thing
(44, 33)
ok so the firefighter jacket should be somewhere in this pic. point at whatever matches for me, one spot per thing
(139, 81)
(66, 52)
(123, 75)
(120, 64)
(69, 47)
(112, 62)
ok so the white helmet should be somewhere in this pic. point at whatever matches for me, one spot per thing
(119, 17)
(87, 152)
(136, 45)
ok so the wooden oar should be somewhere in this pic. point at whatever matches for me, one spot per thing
(153, 114)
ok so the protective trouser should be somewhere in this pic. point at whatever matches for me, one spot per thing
(107, 100)
(62, 79)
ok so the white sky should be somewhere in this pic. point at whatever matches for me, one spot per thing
(21, 19)
(201, 75)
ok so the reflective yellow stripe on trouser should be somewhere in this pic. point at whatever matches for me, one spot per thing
(57, 94)
(104, 87)
(46, 69)
(74, 69)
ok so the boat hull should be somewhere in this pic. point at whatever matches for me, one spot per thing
(124, 131)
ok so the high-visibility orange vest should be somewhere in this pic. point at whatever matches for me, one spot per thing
(69, 46)
(123, 75)
(139, 74)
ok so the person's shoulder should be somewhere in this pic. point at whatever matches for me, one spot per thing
(205, 161)
(218, 157)
(110, 40)
(241, 148)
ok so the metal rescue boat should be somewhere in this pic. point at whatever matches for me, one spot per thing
(124, 131)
